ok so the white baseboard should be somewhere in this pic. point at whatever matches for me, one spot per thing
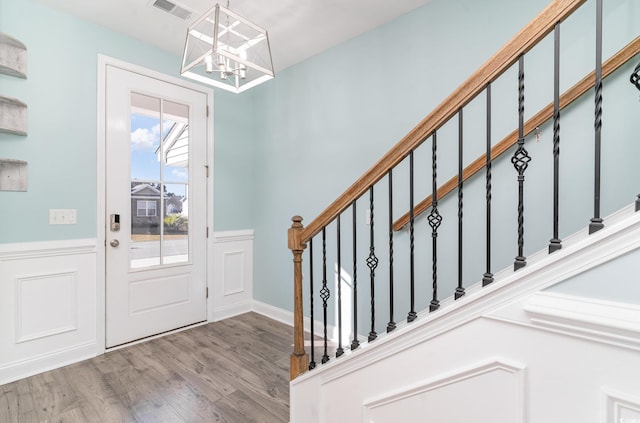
(20, 369)
(231, 310)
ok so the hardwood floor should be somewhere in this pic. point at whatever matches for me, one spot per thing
(233, 371)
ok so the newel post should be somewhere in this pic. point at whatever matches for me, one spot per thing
(299, 360)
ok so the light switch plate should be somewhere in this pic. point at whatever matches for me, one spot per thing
(62, 216)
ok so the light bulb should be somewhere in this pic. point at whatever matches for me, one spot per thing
(208, 64)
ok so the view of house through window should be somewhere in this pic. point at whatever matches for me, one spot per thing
(159, 181)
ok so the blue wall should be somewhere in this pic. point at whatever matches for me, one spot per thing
(61, 94)
(322, 123)
(294, 144)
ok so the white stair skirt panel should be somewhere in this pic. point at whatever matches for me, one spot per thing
(47, 306)
(505, 353)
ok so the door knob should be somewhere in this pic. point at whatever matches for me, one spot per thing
(114, 242)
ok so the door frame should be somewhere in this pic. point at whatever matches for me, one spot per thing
(103, 62)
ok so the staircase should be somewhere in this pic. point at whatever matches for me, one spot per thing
(408, 290)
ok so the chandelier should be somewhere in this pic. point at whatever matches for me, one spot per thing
(227, 51)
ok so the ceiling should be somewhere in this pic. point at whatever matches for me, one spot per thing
(297, 29)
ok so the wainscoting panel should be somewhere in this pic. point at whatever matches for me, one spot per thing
(621, 407)
(232, 286)
(504, 402)
(47, 306)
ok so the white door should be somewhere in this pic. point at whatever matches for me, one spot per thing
(156, 206)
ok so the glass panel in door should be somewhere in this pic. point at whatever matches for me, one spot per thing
(159, 182)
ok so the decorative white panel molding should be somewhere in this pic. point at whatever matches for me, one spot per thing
(46, 305)
(570, 349)
(234, 264)
(604, 321)
(170, 290)
(621, 407)
(504, 402)
(232, 283)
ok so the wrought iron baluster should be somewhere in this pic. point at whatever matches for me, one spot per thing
(392, 324)
(339, 350)
(312, 363)
(487, 278)
(460, 289)
(596, 221)
(520, 161)
(434, 221)
(324, 292)
(372, 263)
(412, 313)
(556, 243)
(355, 343)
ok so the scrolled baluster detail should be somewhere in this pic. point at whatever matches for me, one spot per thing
(372, 263)
(520, 161)
(435, 220)
(325, 294)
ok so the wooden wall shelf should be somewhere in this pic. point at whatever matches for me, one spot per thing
(13, 57)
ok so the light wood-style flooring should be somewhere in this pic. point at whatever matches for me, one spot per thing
(233, 371)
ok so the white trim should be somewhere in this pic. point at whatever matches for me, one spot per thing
(580, 253)
(30, 250)
(20, 336)
(51, 360)
(233, 236)
(104, 61)
(452, 377)
(598, 320)
(615, 402)
(231, 310)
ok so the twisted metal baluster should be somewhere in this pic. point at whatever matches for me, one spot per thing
(324, 292)
(435, 220)
(392, 324)
(372, 263)
(520, 161)
(339, 350)
(460, 289)
(487, 278)
(355, 343)
(412, 313)
(556, 243)
(596, 221)
(312, 363)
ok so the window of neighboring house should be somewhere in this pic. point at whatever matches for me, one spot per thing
(146, 208)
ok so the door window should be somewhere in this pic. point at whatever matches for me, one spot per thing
(159, 182)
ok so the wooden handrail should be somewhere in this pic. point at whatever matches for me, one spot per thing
(526, 39)
(568, 97)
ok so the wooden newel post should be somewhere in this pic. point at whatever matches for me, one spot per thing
(299, 360)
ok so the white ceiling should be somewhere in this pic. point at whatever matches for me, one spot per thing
(297, 29)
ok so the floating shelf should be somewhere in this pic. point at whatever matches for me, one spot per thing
(13, 116)
(13, 175)
(13, 57)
